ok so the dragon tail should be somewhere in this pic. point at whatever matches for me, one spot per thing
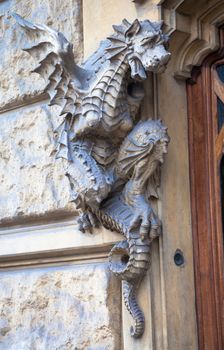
(129, 294)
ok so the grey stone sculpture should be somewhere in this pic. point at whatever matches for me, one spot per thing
(112, 157)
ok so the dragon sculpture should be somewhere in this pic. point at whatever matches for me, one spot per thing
(112, 157)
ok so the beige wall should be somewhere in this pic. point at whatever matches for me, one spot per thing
(176, 215)
(99, 16)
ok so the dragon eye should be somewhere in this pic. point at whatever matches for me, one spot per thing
(150, 40)
(146, 40)
(130, 35)
(157, 39)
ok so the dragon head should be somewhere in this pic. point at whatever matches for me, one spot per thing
(143, 45)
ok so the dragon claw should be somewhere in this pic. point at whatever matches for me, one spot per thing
(87, 221)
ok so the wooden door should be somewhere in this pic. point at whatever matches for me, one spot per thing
(206, 147)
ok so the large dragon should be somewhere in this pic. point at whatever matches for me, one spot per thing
(112, 158)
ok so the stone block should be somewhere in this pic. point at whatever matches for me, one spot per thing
(74, 307)
(18, 85)
(32, 181)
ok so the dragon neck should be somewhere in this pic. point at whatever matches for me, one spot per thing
(116, 79)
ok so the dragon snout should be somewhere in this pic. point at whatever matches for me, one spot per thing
(165, 58)
(162, 60)
(156, 59)
(158, 63)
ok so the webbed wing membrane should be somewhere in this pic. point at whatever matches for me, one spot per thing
(154, 183)
(55, 63)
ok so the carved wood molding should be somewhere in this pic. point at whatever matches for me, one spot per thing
(193, 26)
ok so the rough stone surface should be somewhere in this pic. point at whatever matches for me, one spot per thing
(66, 308)
(17, 83)
(32, 181)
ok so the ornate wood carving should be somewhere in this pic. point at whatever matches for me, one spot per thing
(112, 158)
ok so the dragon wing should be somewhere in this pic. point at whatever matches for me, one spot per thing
(153, 184)
(55, 63)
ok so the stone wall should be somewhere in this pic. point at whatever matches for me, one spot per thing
(66, 308)
(18, 86)
(74, 305)
(32, 183)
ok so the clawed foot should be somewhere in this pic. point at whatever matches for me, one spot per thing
(87, 221)
(149, 225)
(145, 219)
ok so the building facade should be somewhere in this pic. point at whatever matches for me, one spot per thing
(57, 291)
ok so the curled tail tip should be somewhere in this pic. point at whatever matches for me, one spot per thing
(129, 289)
(137, 332)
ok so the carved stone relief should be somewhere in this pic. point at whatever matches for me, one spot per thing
(193, 26)
(113, 158)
